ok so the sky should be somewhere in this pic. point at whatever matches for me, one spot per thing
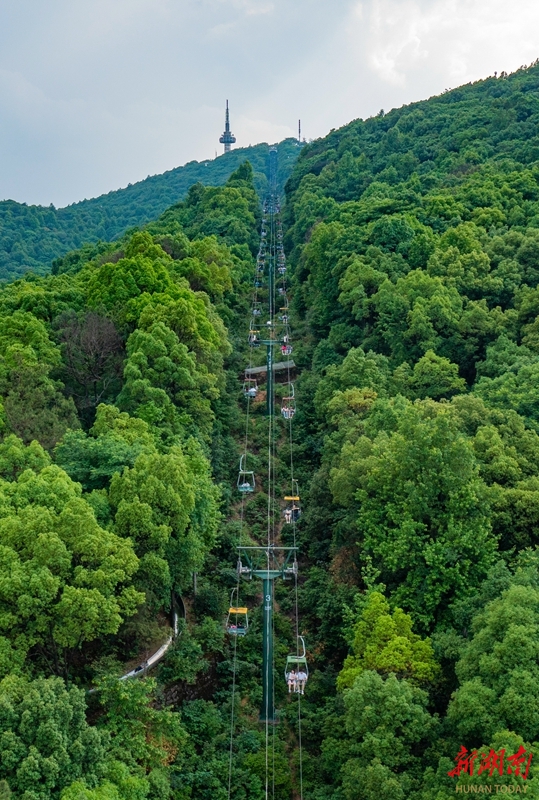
(96, 94)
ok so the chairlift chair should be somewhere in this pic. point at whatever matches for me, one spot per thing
(250, 387)
(286, 349)
(237, 621)
(298, 661)
(288, 407)
(256, 312)
(292, 512)
(246, 478)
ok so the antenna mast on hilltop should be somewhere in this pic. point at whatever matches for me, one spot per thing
(299, 131)
(227, 137)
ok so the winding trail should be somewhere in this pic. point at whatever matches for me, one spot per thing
(155, 658)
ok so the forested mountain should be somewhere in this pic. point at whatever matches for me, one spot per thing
(413, 243)
(31, 237)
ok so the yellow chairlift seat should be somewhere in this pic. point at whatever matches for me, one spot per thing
(293, 512)
(237, 621)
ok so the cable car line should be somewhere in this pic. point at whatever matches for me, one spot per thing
(249, 396)
(270, 561)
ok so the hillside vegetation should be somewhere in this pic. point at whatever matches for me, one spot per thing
(413, 240)
(415, 243)
(31, 237)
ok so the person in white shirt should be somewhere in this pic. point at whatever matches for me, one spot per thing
(301, 680)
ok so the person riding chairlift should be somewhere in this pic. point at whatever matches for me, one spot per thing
(291, 680)
(292, 514)
(301, 680)
(287, 412)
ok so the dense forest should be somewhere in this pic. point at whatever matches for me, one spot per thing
(32, 237)
(413, 243)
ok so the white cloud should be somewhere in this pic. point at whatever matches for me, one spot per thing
(464, 39)
(98, 93)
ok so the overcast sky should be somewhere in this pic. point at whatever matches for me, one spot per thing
(95, 94)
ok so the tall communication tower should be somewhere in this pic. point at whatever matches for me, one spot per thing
(227, 137)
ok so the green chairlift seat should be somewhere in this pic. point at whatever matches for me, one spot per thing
(297, 662)
(246, 479)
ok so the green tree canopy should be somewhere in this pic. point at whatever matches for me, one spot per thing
(63, 579)
(422, 511)
(46, 743)
(498, 672)
(383, 642)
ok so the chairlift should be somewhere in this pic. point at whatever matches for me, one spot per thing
(286, 349)
(246, 478)
(297, 662)
(281, 270)
(256, 312)
(292, 512)
(282, 291)
(254, 341)
(237, 621)
(288, 407)
(250, 387)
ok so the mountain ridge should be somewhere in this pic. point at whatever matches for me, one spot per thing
(32, 236)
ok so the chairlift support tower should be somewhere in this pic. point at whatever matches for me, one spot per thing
(268, 564)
